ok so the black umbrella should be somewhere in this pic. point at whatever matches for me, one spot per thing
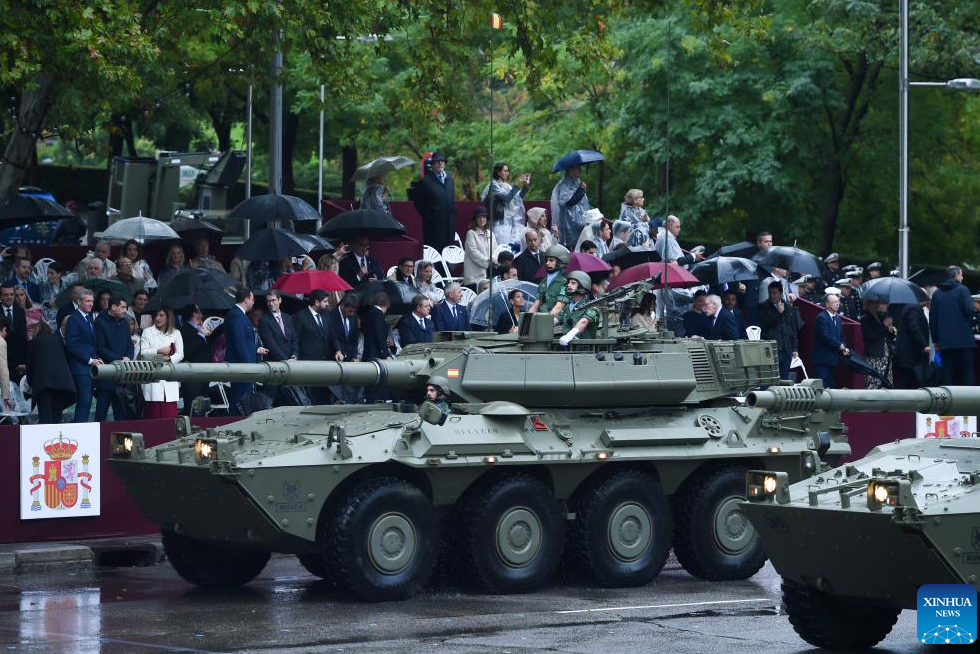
(189, 280)
(97, 285)
(205, 287)
(273, 244)
(792, 259)
(629, 256)
(274, 207)
(720, 270)
(362, 222)
(194, 227)
(317, 243)
(892, 290)
(23, 209)
(400, 293)
(743, 249)
(859, 364)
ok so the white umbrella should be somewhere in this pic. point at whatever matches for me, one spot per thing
(380, 166)
(141, 229)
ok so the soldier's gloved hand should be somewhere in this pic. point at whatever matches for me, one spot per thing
(569, 337)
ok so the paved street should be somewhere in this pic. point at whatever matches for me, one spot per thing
(137, 610)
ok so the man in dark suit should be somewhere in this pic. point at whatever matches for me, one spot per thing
(112, 342)
(828, 342)
(359, 266)
(416, 327)
(435, 199)
(240, 344)
(780, 322)
(530, 260)
(375, 329)
(451, 316)
(346, 338)
(197, 349)
(82, 353)
(950, 323)
(729, 302)
(313, 338)
(16, 333)
(696, 322)
(912, 348)
(722, 321)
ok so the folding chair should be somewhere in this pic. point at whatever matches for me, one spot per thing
(451, 255)
(431, 255)
(391, 271)
(468, 295)
(222, 393)
(40, 271)
(754, 332)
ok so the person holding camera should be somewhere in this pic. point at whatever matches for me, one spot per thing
(505, 206)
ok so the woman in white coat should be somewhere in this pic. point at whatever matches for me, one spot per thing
(162, 338)
(478, 249)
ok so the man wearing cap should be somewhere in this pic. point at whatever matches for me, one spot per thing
(874, 270)
(437, 204)
(950, 325)
(855, 274)
(850, 305)
(832, 272)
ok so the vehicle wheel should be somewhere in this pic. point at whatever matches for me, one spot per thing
(825, 622)
(510, 535)
(382, 539)
(621, 534)
(712, 537)
(316, 565)
(212, 566)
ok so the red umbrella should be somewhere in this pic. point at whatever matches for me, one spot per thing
(676, 276)
(587, 263)
(305, 281)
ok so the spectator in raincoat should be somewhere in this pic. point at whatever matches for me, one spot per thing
(505, 206)
(569, 204)
(375, 195)
(597, 231)
(632, 210)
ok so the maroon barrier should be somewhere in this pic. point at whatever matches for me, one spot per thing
(866, 431)
(119, 515)
(852, 336)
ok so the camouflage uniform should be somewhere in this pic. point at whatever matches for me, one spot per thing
(569, 317)
(552, 294)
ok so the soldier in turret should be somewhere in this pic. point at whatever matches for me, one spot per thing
(435, 392)
(584, 321)
(551, 290)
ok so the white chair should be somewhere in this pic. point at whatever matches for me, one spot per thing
(437, 279)
(468, 295)
(452, 255)
(431, 255)
(222, 393)
(459, 241)
(391, 271)
(754, 332)
(40, 271)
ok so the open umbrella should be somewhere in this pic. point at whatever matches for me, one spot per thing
(141, 229)
(316, 243)
(743, 249)
(892, 290)
(191, 228)
(400, 293)
(362, 222)
(273, 244)
(485, 312)
(380, 166)
(790, 258)
(629, 256)
(577, 158)
(859, 364)
(720, 270)
(274, 207)
(306, 281)
(676, 276)
(208, 288)
(587, 263)
(97, 285)
(22, 209)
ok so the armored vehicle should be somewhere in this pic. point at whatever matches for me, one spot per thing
(613, 449)
(855, 543)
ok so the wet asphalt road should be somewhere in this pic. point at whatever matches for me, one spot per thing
(150, 610)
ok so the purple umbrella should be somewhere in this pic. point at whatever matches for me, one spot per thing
(587, 263)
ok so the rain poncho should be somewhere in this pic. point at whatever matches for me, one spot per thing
(509, 228)
(638, 219)
(667, 246)
(374, 198)
(622, 230)
(592, 232)
(568, 206)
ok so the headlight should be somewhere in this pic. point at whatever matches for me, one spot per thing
(890, 492)
(205, 450)
(125, 445)
(766, 486)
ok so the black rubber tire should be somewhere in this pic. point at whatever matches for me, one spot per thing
(696, 545)
(480, 561)
(316, 565)
(347, 535)
(825, 622)
(589, 546)
(212, 566)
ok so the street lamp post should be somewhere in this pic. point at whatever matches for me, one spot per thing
(959, 84)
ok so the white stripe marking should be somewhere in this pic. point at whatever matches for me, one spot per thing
(662, 606)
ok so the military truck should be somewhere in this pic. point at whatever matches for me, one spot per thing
(605, 453)
(855, 543)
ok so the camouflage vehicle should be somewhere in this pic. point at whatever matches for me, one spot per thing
(855, 543)
(607, 453)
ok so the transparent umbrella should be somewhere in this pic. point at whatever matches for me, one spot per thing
(485, 313)
(141, 229)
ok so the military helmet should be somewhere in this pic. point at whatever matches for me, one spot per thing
(583, 279)
(439, 382)
(559, 252)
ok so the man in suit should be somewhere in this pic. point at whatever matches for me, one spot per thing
(82, 353)
(375, 329)
(346, 342)
(729, 303)
(113, 343)
(278, 335)
(240, 344)
(530, 260)
(723, 326)
(828, 342)
(436, 194)
(780, 322)
(16, 333)
(451, 316)
(911, 348)
(950, 323)
(313, 338)
(359, 266)
(416, 327)
(695, 321)
(197, 349)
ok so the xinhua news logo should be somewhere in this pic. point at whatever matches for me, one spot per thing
(947, 614)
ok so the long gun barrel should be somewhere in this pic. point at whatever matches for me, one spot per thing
(281, 373)
(945, 400)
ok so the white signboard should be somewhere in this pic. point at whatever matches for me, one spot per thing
(59, 471)
(930, 425)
